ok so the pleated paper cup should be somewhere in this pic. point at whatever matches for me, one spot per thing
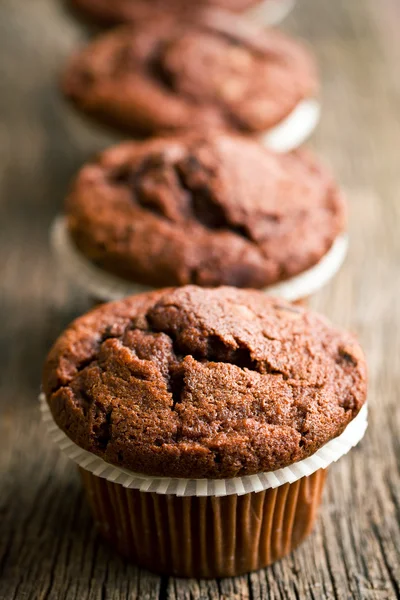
(205, 528)
(207, 536)
(105, 287)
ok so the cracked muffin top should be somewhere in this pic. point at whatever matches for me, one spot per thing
(166, 74)
(204, 209)
(106, 12)
(194, 382)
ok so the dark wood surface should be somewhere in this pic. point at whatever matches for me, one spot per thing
(48, 546)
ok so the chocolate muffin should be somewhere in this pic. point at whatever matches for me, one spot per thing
(117, 12)
(207, 209)
(203, 383)
(167, 75)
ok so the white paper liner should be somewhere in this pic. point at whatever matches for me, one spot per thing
(317, 277)
(293, 131)
(106, 287)
(270, 12)
(329, 453)
(84, 274)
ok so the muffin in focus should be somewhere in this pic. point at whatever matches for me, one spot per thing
(211, 385)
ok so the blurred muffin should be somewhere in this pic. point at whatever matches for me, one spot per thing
(106, 12)
(166, 75)
(207, 209)
(204, 384)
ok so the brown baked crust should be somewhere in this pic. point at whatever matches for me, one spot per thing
(207, 209)
(195, 382)
(169, 75)
(115, 12)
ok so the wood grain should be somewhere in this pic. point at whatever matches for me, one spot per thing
(48, 546)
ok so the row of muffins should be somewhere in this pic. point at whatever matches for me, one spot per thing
(203, 417)
(204, 219)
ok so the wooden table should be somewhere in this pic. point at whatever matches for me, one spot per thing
(48, 545)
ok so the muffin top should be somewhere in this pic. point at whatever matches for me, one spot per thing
(194, 382)
(106, 12)
(166, 74)
(208, 209)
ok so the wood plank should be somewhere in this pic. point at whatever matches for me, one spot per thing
(49, 548)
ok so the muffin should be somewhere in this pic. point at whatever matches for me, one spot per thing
(106, 13)
(204, 209)
(170, 76)
(204, 420)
